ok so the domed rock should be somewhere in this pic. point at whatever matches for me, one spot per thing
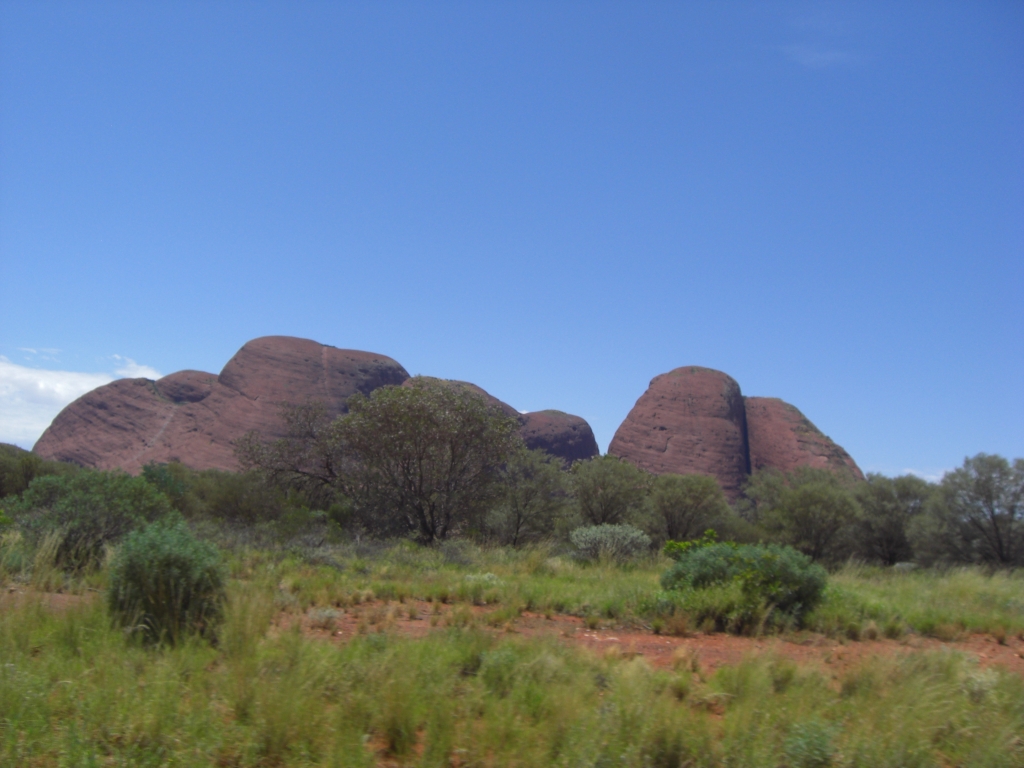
(689, 421)
(195, 417)
(781, 437)
(560, 434)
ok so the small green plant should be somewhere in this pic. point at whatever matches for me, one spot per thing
(618, 542)
(166, 583)
(676, 549)
(809, 745)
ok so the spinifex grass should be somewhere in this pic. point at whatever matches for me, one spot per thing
(939, 603)
(74, 691)
(859, 601)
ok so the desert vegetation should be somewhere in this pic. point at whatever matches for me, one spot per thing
(408, 585)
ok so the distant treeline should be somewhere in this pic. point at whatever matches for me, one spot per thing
(433, 462)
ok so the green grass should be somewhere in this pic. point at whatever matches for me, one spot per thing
(74, 691)
(941, 604)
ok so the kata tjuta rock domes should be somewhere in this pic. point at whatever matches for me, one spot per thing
(782, 438)
(195, 417)
(689, 421)
(695, 420)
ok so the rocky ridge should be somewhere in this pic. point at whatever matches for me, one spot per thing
(194, 417)
(695, 420)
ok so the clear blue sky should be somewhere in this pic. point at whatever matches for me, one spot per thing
(556, 201)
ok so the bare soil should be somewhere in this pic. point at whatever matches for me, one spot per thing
(704, 652)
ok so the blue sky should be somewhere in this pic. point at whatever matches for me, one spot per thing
(556, 201)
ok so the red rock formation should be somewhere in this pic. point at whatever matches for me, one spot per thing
(560, 434)
(195, 417)
(782, 438)
(689, 421)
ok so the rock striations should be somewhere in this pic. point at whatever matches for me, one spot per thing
(696, 421)
(195, 417)
(782, 438)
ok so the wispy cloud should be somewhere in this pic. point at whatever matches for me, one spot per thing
(31, 397)
(129, 369)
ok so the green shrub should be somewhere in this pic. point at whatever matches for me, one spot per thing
(18, 468)
(618, 542)
(770, 574)
(91, 509)
(167, 583)
(676, 549)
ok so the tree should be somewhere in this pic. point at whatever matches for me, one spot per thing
(533, 496)
(814, 518)
(87, 510)
(684, 506)
(610, 491)
(810, 509)
(425, 456)
(978, 514)
(312, 458)
(887, 507)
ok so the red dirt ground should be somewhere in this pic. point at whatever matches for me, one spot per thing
(704, 651)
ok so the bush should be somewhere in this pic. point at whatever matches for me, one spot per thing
(610, 491)
(18, 468)
(777, 576)
(684, 505)
(91, 509)
(167, 583)
(533, 498)
(618, 542)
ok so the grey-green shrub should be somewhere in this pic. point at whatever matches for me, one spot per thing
(167, 583)
(771, 574)
(90, 508)
(618, 542)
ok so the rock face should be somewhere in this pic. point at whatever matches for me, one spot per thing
(560, 434)
(783, 438)
(689, 421)
(695, 421)
(195, 417)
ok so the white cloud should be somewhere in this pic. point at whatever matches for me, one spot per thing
(932, 476)
(31, 397)
(131, 370)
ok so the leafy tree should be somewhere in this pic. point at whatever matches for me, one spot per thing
(814, 518)
(887, 507)
(18, 468)
(684, 506)
(810, 509)
(91, 509)
(533, 496)
(312, 458)
(610, 491)
(977, 515)
(426, 456)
